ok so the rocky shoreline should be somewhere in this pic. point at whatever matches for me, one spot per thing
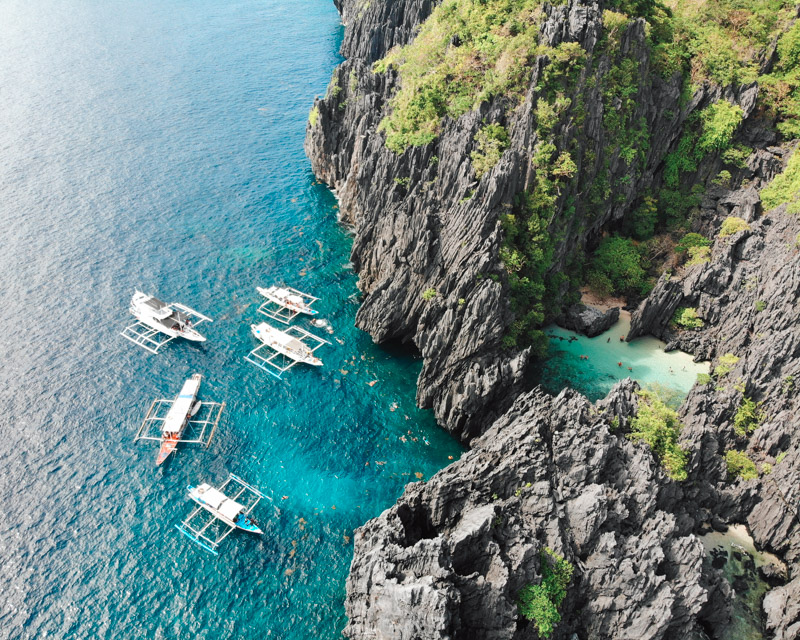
(449, 560)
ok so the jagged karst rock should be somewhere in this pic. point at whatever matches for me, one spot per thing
(587, 320)
(423, 221)
(448, 560)
(548, 473)
(782, 606)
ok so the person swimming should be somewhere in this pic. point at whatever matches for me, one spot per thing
(619, 364)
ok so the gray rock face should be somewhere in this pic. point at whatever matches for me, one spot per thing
(588, 321)
(782, 606)
(449, 560)
(423, 221)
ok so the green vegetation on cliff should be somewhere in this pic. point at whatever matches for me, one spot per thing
(659, 426)
(740, 465)
(467, 51)
(539, 603)
(617, 268)
(785, 188)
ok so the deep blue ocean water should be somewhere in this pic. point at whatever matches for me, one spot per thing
(159, 144)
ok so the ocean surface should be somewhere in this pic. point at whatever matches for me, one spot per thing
(158, 144)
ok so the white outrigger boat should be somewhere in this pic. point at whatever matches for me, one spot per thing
(287, 348)
(183, 417)
(156, 319)
(284, 304)
(228, 512)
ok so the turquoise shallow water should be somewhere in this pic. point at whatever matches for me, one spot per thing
(159, 144)
(594, 365)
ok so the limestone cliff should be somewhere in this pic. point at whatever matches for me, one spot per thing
(425, 223)
(449, 560)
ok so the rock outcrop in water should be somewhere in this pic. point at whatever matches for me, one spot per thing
(449, 560)
(588, 321)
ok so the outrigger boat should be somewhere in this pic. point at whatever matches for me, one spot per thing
(155, 317)
(182, 416)
(284, 304)
(178, 417)
(228, 511)
(285, 344)
(287, 348)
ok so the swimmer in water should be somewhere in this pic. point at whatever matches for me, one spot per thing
(609, 340)
(619, 364)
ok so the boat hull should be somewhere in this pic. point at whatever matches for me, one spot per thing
(168, 446)
(288, 304)
(305, 358)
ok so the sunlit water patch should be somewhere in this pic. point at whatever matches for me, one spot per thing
(594, 365)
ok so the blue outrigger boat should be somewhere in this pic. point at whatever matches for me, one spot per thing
(214, 505)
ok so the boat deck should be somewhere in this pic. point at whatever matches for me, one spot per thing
(281, 313)
(152, 340)
(199, 429)
(276, 363)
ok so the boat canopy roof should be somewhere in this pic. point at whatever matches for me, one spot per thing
(289, 342)
(211, 496)
(179, 411)
(218, 501)
(231, 509)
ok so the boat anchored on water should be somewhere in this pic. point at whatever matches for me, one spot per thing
(284, 304)
(286, 348)
(215, 507)
(157, 319)
(183, 417)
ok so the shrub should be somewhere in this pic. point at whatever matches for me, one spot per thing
(766, 468)
(659, 426)
(703, 378)
(429, 294)
(723, 178)
(732, 225)
(740, 466)
(780, 457)
(698, 255)
(642, 220)
(760, 306)
(540, 603)
(748, 417)
(313, 115)
(492, 141)
(784, 188)
(691, 240)
(726, 364)
(687, 318)
(564, 166)
(736, 155)
(618, 262)
(720, 121)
